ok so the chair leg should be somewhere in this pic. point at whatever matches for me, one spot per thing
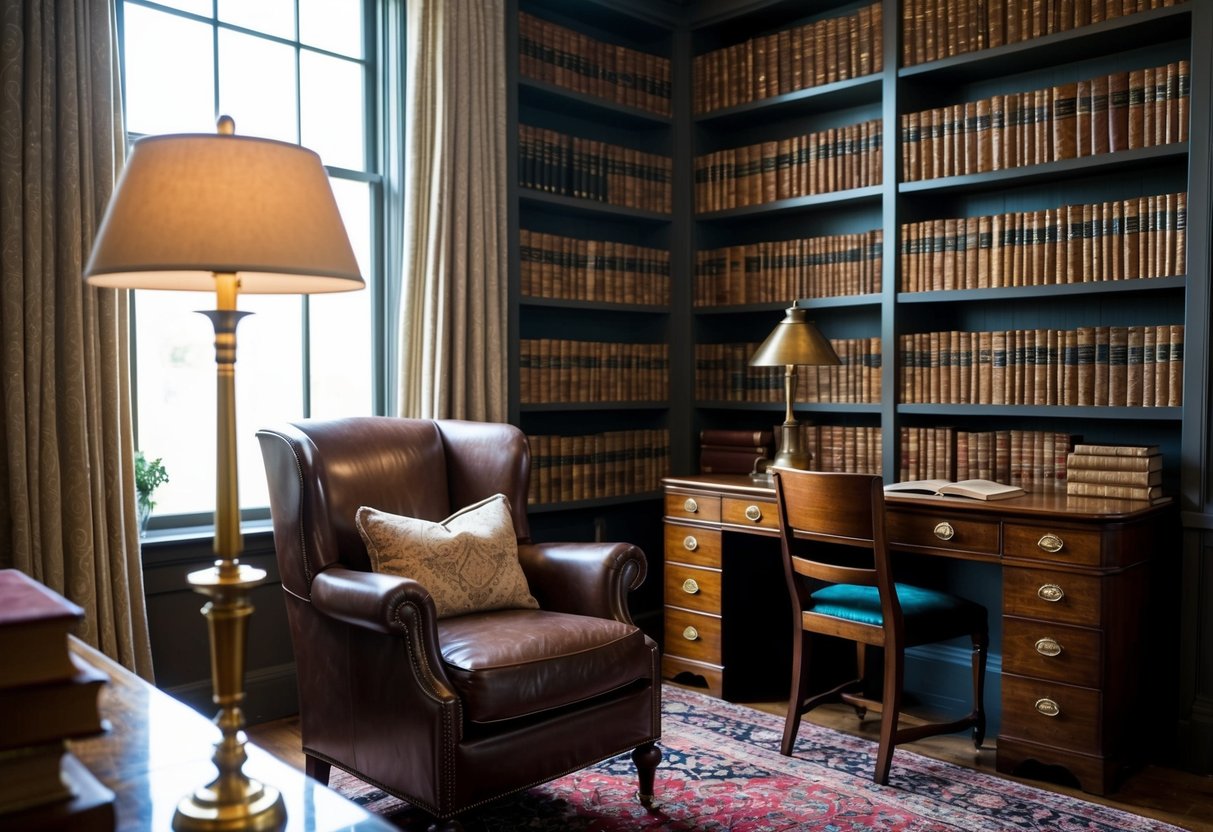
(646, 757)
(861, 668)
(894, 667)
(317, 769)
(981, 643)
(800, 685)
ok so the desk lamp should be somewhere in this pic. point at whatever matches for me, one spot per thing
(794, 341)
(228, 214)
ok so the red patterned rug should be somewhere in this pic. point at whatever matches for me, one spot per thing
(721, 770)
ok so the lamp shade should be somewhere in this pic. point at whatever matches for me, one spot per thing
(190, 205)
(794, 341)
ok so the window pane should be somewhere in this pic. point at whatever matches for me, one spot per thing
(200, 7)
(257, 86)
(274, 17)
(333, 109)
(332, 25)
(340, 343)
(169, 73)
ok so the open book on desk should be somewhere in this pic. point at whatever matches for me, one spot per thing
(973, 489)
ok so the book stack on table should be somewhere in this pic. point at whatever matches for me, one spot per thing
(1131, 472)
(723, 451)
(47, 697)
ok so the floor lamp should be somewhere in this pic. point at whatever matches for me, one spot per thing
(794, 341)
(228, 214)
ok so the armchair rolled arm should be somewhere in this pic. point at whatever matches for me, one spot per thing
(584, 578)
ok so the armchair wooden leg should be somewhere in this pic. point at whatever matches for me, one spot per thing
(317, 769)
(646, 758)
(894, 670)
(981, 643)
(800, 686)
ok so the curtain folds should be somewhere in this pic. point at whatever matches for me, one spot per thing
(453, 322)
(67, 493)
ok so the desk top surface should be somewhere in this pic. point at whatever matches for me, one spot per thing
(158, 750)
(1044, 504)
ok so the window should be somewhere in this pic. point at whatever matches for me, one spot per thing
(300, 71)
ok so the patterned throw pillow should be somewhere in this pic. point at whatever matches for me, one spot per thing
(468, 562)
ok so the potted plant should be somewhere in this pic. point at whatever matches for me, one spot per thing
(149, 475)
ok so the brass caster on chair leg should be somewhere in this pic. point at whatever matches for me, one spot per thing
(646, 800)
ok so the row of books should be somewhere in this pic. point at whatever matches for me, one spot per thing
(844, 448)
(936, 29)
(836, 159)
(814, 267)
(588, 169)
(1112, 366)
(561, 56)
(1031, 459)
(1125, 239)
(821, 52)
(569, 268)
(1121, 471)
(1121, 111)
(593, 466)
(723, 373)
(559, 370)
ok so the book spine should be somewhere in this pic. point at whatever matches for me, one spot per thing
(1124, 492)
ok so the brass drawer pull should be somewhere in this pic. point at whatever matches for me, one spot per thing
(690, 506)
(1051, 543)
(944, 531)
(1047, 707)
(690, 586)
(1051, 593)
(690, 634)
(690, 543)
(753, 513)
(1048, 647)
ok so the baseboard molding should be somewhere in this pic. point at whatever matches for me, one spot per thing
(270, 693)
(940, 677)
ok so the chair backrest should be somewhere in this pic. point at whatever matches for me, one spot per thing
(321, 471)
(820, 512)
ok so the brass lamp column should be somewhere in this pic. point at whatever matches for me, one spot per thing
(794, 341)
(228, 214)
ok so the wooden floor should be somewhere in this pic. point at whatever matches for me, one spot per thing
(1180, 798)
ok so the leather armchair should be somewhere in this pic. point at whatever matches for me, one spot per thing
(451, 713)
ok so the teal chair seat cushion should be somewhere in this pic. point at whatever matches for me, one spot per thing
(929, 614)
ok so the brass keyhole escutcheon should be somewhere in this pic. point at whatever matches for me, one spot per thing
(690, 634)
(690, 506)
(1048, 647)
(753, 513)
(1048, 707)
(1050, 543)
(690, 586)
(1051, 593)
(944, 531)
(690, 543)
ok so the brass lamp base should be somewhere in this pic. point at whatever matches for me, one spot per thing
(792, 451)
(259, 808)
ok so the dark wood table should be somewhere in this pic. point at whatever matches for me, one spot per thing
(158, 750)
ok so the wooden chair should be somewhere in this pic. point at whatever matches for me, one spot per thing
(828, 522)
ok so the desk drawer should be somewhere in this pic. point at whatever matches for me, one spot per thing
(702, 507)
(1047, 650)
(1051, 714)
(692, 587)
(940, 531)
(746, 512)
(692, 544)
(692, 635)
(1073, 546)
(1062, 597)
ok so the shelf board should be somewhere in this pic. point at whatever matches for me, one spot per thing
(806, 407)
(1119, 161)
(596, 502)
(588, 207)
(838, 302)
(1100, 287)
(1137, 414)
(851, 92)
(594, 305)
(797, 204)
(549, 96)
(572, 407)
(1103, 38)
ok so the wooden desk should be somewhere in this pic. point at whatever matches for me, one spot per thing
(158, 750)
(1074, 588)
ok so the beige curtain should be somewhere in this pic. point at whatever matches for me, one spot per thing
(453, 322)
(67, 493)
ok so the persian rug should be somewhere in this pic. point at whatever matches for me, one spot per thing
(721, 770)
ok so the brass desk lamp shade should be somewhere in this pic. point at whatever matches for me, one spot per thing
(225, 214)
(794, 341)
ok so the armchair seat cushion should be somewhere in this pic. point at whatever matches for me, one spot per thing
(514, 663)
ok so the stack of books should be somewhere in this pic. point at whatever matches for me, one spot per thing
(47, 696)
(1132, 472)
(724, 451)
